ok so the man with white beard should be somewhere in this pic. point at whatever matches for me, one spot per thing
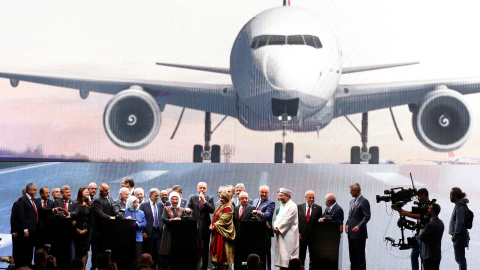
(286, 230)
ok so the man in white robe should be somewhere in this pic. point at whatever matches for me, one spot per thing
(286, 230)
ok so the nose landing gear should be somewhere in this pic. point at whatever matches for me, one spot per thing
(364, 154)
(284, 151)
(212, 153)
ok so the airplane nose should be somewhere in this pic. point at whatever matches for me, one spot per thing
(292, 71)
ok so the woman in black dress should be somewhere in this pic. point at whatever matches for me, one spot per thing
(83, 223)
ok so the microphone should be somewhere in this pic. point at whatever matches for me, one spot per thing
(199, 197)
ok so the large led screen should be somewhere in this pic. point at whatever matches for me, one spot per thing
(64, 68)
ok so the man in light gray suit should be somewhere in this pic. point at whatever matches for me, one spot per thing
(356, 227)
(431, 236)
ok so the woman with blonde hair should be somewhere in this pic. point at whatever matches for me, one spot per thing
(223, 233)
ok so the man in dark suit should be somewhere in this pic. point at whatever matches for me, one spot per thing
(182, 201)
(201, 206)
(264, 209)
(66, 202)
(333, 212)
(153, 210)
(92, 191)
(124, 194)
(17, 232)
(308, 214)
(356, 227)
(46, 203)
(103, 208)
(29, 211)
(431, 236)
(242, 212)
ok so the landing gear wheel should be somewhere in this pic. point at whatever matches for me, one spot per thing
(289, 153)
(355, 155)
(374, 155)
(215, 157)
(197, 153)
(278, 152)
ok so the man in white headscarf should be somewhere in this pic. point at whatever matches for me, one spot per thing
(286, 230)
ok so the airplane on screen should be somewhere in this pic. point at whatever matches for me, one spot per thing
(285, 67)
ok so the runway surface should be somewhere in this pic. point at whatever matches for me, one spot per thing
(323, 179)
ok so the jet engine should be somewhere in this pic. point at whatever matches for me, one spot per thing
(443, 120)
(132, 118)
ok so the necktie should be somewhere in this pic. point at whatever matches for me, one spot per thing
(308, 214)
(353, 204)
(66, 205)
(35, 208)
(155, 216)
(259, 204)
(44, 203)
(327, 210)
(241, 212)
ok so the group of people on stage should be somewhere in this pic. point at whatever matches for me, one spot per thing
(218, 222)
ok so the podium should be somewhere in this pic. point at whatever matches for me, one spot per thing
(118, 235)
(184, 244)
(59, 234)
(251, 238)
(326, 242)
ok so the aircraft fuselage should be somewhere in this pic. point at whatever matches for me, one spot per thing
(285, 53)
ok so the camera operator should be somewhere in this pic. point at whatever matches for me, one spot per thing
(422, 219)
(43, 261)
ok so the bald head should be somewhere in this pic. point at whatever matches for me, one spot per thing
(330, 199)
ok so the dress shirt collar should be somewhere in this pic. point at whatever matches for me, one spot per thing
(306, 208)
(29, 197)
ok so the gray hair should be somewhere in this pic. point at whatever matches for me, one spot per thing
(220, 188)
(240, 185)
(243, 193)
(123, 189)
(63, 188)
(91, 184)
(309, 191)
(139, 189)
(331, 197)
(178, 188)
(29, 186)
(264, 186)
(154, 190)
(356, 186)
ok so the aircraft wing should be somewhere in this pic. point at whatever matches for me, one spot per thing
(352, 99)
(206, 97)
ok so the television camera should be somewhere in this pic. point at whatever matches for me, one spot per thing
(400, 196)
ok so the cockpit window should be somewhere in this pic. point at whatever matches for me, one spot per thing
(254, 43)
(262, 41)
(318, 44)
(276, 40)
(295, 40)
(309, 40)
